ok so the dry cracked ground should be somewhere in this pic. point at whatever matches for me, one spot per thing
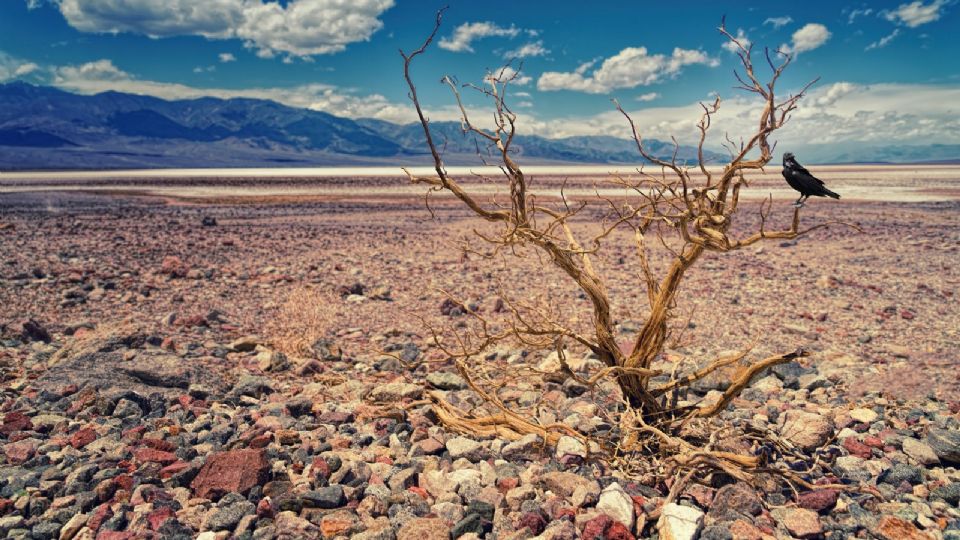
(176, 368)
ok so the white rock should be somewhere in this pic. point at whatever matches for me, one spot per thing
(679, 522)
(615, 503)
(462, 447)
(568, 445)
(922, 452)
(805, 429)
(867, 416)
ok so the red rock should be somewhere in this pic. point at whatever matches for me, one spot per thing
(506, 484)
(15, 421)
(419, 491)
(907, 314)
(261, 441)
(893, 528)
(532, 521)
(69, 390)
(265, 508)
(873, 441)
(124, 481)
(159, 516)
(857, 448)
(150, 455)
(820, 500)
(596, 528)
(83, 437)
(235, 470)
(743, 530)
(320, 468)
(173, 469)
(159, 444)
(20, 452)
(174, 267)
(6, 505)
(618, 531)
(98, 516)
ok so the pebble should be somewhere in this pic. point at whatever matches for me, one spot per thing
(616, 503)
(679, 522)
(805, 429)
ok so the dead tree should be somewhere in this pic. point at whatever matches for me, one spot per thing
(695, 206)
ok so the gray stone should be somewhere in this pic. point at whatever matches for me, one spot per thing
(252, 386)
(949, 493)
(946, 444)
(444, 380)
(901, 472)
(851, 468)
(226, 518)
(325, 497)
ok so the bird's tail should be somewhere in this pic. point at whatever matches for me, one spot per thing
(829, 193)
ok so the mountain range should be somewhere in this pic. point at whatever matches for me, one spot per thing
(45, 128)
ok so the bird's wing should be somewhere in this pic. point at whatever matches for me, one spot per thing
(805, 174)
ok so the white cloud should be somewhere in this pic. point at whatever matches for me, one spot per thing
(884, 41)
(840, 114)
(535, 48)
(649, 96)
(204, 69)
(465, 34)
(808, 38)
(300, 28)
(33, 4)
(12, 68)
(777, 22)
(227, 57)
(858, 13)
(629, 68)
(917, 13)
(25, 69)
(508, 73)
(741, 37)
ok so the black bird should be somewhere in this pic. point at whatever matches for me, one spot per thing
(801, 180)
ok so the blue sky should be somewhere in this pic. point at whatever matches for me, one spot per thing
(888, 69)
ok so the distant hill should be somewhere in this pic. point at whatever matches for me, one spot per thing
(47, 128)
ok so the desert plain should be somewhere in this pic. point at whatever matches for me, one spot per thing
(211, 354)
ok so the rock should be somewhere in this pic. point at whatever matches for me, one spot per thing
(679, 522)
(866, 416)
(800, 522)
(734, 499)
(462, 447)
(245, 344)
(949, 492)
(208, 221)
(232, 471)
(564, 483)
(570, 446)
(326, 349)
(226, 518)
(806, 430)
(527, 446)
(945, 443)
(73, 526)
(819, 500)
(387, 393)
(901, 472)
(851, 468)
(174, 267)
(921, 452)
(272, 361)
(325, 497)
(31, 330)
(424, 529)
(616, 503)
(252, 386)
(20, 451)
(444, 380)
(857, 448)
(894, 528)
